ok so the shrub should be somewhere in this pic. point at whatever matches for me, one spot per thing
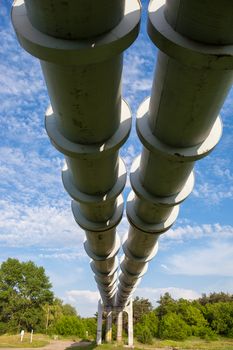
(173, 327)
(143, 334)
(70, 325)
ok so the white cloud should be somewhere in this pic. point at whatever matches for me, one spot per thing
(215, 259)
(41, 226)
(215, 231)
(85, 301)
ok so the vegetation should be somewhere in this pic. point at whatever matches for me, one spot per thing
(13, 341)
(207, 318)
(27, 302)
(192, 344)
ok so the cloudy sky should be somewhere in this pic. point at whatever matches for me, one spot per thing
(36, 222)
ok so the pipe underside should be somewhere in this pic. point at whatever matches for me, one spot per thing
(177, 125)
(80, 45)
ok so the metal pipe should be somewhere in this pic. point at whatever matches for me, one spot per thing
(179, 124)
(80, 45)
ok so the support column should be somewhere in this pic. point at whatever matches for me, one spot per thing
(119, 326)
(99, 323)
(108, 336)
(129, 311)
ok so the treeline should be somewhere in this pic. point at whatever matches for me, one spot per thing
(27, 302)
(208, 317)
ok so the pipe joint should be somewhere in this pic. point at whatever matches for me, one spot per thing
(185, 50)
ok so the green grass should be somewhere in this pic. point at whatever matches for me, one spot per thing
(92, 346)
(194, 344)
(13, 341)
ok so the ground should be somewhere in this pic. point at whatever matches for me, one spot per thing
(41, 342)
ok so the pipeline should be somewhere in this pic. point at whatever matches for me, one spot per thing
(179, 124)
(80, 46)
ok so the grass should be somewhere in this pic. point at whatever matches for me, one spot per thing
(195, 344)
(191, 344)
(40, 340)
(13, 341)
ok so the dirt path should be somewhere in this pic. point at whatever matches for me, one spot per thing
(54, 345)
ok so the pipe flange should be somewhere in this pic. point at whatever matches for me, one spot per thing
(131, 276)
(93, 200)
(98, 226)
(187, 154)
(183, 49)
(76, 52)
(92, 151)
(168, 201)
(103, 258)
(123, 282)
(137, 259)
(109, 294)
(105, 274)
(107, 288)
(125, 293)
(146, 227)
(102, 282)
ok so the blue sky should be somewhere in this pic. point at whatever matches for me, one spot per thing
(36, 222)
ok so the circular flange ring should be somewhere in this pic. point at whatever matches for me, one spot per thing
(84, 198)
(77, 150)
(167, 201)
(183, 49)
(74, 52)
(98, 226)
(187, 154)
(146, 227)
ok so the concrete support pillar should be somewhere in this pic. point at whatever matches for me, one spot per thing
(179, 124)
(80, 45)
(99, 323)
(129, 310)
(119, 326)
(108, 336)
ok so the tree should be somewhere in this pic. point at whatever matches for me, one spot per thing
(173, 327)
(24, 290)
(141, 306)
(220, 317)
(166, 305)
(215, 298)
(69, 310)
(70, 325)
(147, 328)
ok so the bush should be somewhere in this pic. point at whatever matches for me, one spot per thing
(143, 334)
(3, 328)
(70, 325)
(90, 326)
(173, 327)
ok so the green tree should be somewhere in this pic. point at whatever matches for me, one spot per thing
(220, 317)
(69, 310)
(24, 290)
(214, 298)
(143, 333)
(141, 306)
(70, 325)
(90, 325)
(166, 305)
(172, 326)
(193, 317)
(147, 328)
